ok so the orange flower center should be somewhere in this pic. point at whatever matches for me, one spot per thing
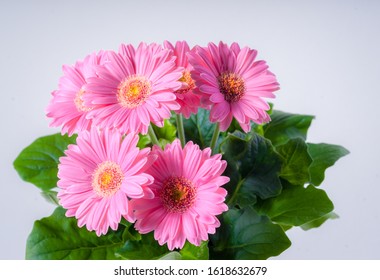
(107, 179)
(232, 86)
(133, 91)
(79, 102)
(177, 194)
(187, 83)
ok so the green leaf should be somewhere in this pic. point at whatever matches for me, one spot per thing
(318, 222)
(38, 163)
(285, 126)
(165, 135)
(144, 141)
(58, 237)
(296, 161)
(192, 252)
(246, 235)
(144, 248)
(297, 205)
(171, 256)
(168, 132)
(253, 167)
(199, 129)
(324, 156)
(51, 196)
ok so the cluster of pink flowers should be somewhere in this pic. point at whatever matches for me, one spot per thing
(110, 97)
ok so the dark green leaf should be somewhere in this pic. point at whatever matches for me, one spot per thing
(38, 163)
(285, 126)
(285, 227)
(199, 129)
(318, 222)
(296, 161)
(58, 237)
(297, 205)
(253, 167)
(246, 235)
(192, 252)
(145, 248)
(324, 156)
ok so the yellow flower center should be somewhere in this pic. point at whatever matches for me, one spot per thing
(133, 91)
(187, 83)
(79, 102)
(107, 179)
(177, 194)
(232, 86)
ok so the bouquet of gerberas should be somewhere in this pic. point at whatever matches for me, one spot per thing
(239, 175)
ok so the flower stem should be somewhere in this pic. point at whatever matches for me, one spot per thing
(180, 129)
(233, 197)
(153, 136)
(215, 137)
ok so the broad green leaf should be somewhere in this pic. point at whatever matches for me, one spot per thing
(144, 248)
(253, 167)
(51, 196)
(318, 222)
(38, 163)
(297, 205)
(297, 160)
(324, 156)
(58, 237)
(285, 227)
(199, 129)
(285, 126)
(192, 252)
(246, 235)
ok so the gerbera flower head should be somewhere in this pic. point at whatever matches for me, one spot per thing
(99, 174)
(233, 83)
(187, 197)
(135, 87)
(67, 108)
(187, 99)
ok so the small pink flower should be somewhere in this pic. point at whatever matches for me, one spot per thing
(67, 108)
(99, 174)
(187, 197)
(134, 88)
(233, 83)
(189, 101)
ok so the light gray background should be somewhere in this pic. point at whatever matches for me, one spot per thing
(324, 53)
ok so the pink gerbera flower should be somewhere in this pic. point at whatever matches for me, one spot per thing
(134, 88)
(67, 108)
(233, 83)
(187, 197)
(99, 174)
(187, 99)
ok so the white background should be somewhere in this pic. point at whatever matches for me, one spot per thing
(324, 53)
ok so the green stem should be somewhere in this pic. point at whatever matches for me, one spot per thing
(215, 137)
(180, 129)
(233, 197)
(153, 136)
